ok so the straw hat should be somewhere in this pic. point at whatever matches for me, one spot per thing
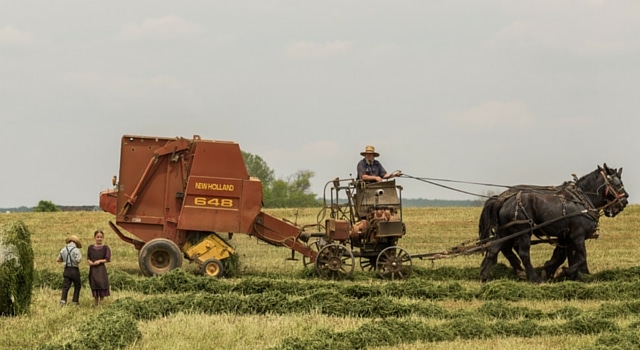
(74, 239)
(370, 150)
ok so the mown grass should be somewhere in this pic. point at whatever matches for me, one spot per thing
(273, 303)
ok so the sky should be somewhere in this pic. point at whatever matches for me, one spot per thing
(494, 91)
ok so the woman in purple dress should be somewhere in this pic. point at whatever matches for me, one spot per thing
(98, 255)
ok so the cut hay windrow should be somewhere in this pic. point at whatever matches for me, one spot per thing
(504, 311)
(331, 303)
(112, 329)
(612, 310)
(180, 281)
(395, 332)
(627, 339)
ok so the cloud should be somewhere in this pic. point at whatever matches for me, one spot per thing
(159, 28)
(314, 50)
(127, 85)
(9, 35)
(287, 161)
(495, 115)
(594, 27)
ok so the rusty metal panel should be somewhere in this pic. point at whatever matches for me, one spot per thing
(338, 230)
(390, 229)
(218, 159)
(135, 155)
(211, 204)
(251, 204)
(145, 232)
(146, 188)
(376, 194)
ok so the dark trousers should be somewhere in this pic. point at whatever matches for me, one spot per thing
(71, 275)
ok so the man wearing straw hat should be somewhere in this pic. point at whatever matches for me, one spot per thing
(371, 170)
(70, 255)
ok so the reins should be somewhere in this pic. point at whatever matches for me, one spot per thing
(532, 188)
(431, 181)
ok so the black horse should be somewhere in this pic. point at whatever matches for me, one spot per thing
(562, 251)
(565, 215)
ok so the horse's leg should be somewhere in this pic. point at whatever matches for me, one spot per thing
(490, 259)
(508, 252)
(577, 259)
(584, 268)
(557, 258)
(524, 246)
(574, 258)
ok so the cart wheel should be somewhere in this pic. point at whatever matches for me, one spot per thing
(306, 261)
(367, 263)
(334, 261)
(212, 268)
(394, 263)
(159, 256)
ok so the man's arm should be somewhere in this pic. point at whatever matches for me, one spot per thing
(394, 174)
(371, 178)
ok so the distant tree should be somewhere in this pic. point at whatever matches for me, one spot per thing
(300, 194)
(295, 192)
(257, 167)
(46, 206)
(276, 195)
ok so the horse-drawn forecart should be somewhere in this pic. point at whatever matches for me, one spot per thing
(366, 223)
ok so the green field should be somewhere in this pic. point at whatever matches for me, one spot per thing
(274, 303)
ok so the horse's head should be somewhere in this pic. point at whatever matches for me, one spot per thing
(614, 194)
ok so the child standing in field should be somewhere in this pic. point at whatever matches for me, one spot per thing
(70, 255)
(98, 255)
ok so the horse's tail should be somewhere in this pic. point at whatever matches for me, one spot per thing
(489, 217)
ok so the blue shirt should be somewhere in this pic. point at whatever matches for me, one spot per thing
(373, 169)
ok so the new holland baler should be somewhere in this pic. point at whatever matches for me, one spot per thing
(178, 197)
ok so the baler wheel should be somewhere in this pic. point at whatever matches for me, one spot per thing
(159, 256)
(334, 261)
(212, 268)
(306, 261)
(394, 263)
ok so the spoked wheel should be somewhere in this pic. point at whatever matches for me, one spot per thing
(306, 261)
(334, 261)
(394, 263)
(367, 263)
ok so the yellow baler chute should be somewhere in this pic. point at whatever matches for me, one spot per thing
(209, 253)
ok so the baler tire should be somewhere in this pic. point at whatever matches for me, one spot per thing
(212, 268)
(159, 256)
